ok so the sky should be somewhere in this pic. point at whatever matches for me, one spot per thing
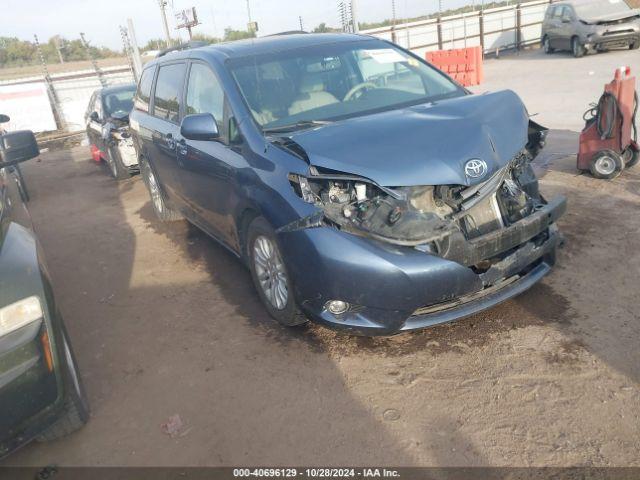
(99, 19)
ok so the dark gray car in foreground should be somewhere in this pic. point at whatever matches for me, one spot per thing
(590, 25)
(364, 188)
(41, 394)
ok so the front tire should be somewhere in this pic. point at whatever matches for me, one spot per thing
(76, 407)
(270, 275)
(546, 46)
(163, 212)
(116, 166)
(634, 46)
(606, 165)
(577, 48)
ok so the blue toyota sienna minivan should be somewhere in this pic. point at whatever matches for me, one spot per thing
(363, 188)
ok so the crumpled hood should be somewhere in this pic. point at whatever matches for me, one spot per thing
(427, 144)
(612, 17)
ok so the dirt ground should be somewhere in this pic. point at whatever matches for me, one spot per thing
(166, 322)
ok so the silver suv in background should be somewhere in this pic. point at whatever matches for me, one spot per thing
(590, 25)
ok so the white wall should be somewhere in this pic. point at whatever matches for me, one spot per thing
(28, 106)
(72, 89)
(460, 31)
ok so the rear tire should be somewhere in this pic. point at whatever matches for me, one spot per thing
(606, 165)
(163, 212)
(634, 46)
(546, 46)
(270, 275)
(577, 48)
(114, 161)
(76, 408)
(631, 157)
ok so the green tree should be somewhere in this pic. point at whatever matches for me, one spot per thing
(16, 52)
(323, 28)
(230, 34)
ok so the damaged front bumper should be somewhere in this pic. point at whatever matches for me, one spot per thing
(392, 288)
(127, 151)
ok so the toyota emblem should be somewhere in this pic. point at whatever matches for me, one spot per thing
(475, 168)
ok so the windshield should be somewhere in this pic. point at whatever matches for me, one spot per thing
(330, 82)
(599, 8)
(119, 102)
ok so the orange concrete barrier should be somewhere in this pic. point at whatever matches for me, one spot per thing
(462, 64)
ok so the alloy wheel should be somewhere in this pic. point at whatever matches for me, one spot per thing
(154, 190)
(270, 272)
(605, 165)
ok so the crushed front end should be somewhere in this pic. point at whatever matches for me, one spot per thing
(403, 258)
(117, 136)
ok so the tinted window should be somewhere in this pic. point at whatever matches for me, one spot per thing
(204, 93)
(144, 90)
(166, 100)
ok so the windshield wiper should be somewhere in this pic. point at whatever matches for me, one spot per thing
(296, 126)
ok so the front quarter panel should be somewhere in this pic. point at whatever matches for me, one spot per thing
(28, 402)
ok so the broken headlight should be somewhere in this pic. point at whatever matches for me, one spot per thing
(403, 216)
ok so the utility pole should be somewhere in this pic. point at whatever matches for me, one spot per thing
(354, 17)
(57, 41)
(249, 11)
(301, 27)
(162, 4)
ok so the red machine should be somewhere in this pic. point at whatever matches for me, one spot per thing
(608, 143)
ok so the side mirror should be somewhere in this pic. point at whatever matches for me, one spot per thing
(94, 117)
(4, 118)
(201, 126)
(16, 147)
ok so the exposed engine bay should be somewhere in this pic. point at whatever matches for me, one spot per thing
(445, 220)
(116, 134)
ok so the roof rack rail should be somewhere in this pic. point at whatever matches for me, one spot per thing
(182, 46)
(289, 32)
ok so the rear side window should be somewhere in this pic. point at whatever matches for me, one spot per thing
(204, 93)
(144, 90)
(166, 100)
